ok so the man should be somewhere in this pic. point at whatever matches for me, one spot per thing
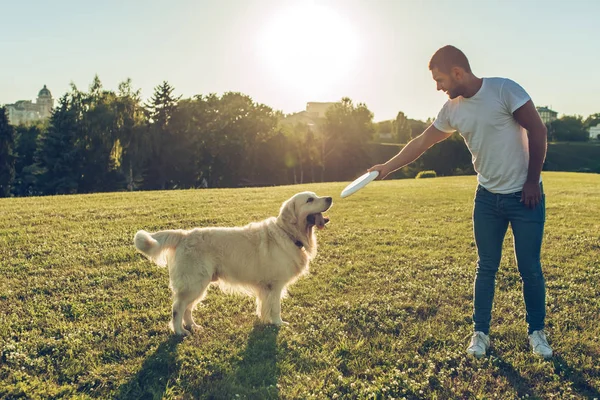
(507, 139)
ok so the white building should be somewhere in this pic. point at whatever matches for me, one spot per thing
(26, 111)
(595, 132)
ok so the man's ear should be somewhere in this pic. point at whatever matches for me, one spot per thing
(288, 212)
(458, 73)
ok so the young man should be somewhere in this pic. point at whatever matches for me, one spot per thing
(507, 139)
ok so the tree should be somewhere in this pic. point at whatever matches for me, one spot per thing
(59, 158)
(592, 120)
(346, 132)
(417, 127)
(159, 163)
(7, 158)
(403, 130)
(98, 143)
(26, 142)
(448, 157)
(130, 123)
(569, 128)
(300, 150)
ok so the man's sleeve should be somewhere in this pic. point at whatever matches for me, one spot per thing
(442, 122)
(513, 95)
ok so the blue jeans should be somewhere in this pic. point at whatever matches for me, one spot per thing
(491, 215)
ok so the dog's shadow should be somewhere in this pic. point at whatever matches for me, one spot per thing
(157, 370)
(255, 375)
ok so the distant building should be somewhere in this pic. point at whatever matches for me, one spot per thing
(547, 114)
(318, 110)
(26, 112)
(314, 111)
(595, 132)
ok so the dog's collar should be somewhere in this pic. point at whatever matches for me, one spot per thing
(297, 242)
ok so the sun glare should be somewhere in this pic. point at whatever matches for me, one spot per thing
(309, 49)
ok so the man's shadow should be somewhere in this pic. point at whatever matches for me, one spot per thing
(523, 386)
(255, 375)
(580, 383)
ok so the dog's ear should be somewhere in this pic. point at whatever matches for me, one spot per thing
(288, 212)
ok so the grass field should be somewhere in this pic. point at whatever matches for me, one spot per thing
(384, 313)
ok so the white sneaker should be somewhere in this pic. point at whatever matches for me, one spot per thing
(540, 345)
(480, 342)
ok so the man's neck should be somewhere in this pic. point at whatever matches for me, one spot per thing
(473, 86)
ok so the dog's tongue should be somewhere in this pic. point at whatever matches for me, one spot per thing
(320, 221)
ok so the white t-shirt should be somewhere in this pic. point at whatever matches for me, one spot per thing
(497, 142)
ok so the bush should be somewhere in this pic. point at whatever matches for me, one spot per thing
(426, 174)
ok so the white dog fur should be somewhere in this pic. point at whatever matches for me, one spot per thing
(260, 259)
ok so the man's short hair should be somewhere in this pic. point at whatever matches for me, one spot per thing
(448, 57)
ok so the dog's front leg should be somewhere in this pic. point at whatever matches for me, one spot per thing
(276, 310)
(269, 304)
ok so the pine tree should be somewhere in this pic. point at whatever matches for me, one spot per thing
(58, 155)
(159, 165)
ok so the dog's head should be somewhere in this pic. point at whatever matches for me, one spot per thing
(305, 210)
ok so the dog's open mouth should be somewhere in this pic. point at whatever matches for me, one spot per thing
(317, 220)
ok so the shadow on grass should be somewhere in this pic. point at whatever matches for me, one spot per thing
(152, 379)
(255, 376)
(522, 385)
(580, 383)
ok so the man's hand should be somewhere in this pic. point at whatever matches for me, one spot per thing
(383, 170)
(531, 195)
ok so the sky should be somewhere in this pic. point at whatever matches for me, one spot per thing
(286, 53)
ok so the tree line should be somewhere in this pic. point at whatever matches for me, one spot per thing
(101, 140)
(567, 128)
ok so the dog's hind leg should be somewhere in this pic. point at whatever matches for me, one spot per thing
(184, 303)
(178, 310)
(188, 319)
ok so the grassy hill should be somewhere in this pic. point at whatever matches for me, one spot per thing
(385, 311)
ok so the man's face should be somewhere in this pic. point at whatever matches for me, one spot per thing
(449, 83)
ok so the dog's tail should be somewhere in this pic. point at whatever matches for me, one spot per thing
(158, 246)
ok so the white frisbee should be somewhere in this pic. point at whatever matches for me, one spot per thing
(359, 183)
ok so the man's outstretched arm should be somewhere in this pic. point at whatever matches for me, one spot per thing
(413, 150)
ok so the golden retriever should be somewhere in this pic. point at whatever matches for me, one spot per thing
(259, 259)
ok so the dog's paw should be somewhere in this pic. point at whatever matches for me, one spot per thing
(193, 328)
(280, 323)
(183, 333)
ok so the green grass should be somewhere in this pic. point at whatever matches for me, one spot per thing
(385, 311)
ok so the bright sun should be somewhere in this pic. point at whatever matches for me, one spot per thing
(309, 49)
